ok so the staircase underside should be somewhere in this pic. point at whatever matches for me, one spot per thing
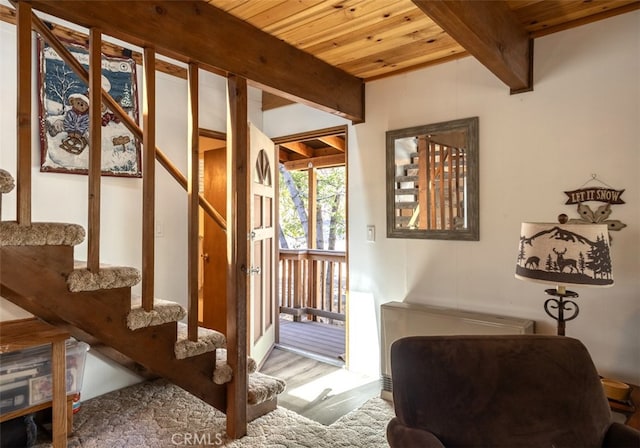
(34, 278)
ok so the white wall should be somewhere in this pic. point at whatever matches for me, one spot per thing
(583, 117)
(63, 197)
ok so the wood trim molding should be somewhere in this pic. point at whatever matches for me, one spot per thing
(584, 21)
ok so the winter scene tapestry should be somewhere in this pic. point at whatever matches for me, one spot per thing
(64, 114)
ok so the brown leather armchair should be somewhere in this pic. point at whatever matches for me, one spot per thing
(500, 391)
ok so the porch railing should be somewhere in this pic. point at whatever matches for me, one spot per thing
(313, 282)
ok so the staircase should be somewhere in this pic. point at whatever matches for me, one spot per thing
(94, 302)
(38, 273)
(406, 195)
(430, 192)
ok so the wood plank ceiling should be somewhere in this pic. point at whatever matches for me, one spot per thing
(322, 52)
(371, 39)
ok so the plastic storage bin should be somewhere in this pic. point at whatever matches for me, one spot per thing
(25, 376)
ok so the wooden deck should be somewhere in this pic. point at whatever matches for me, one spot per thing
(316, 340)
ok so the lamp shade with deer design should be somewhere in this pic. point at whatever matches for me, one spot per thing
(564, 254)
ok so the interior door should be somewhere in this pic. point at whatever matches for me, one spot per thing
(214, 259)
(262, 270)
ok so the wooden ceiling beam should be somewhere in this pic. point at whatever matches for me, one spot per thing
(333, 141)
(316, 162)
(220, 41)
(8, 15)
(299, 148)
(283, 156)
(490, 32)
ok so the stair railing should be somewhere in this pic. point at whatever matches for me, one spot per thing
(26, 19)
(237, 86)
(313, 282)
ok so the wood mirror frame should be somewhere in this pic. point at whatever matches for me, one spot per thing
(449, 191)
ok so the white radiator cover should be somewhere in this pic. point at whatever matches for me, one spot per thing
(402, 319)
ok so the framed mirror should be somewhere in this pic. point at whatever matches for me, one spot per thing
(432, 181)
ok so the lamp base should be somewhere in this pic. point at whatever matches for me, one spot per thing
(561, 305)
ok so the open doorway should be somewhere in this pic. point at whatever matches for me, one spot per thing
(312, 258)
(312, 283)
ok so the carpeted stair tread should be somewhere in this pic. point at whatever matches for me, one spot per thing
(6, 181)
(107, 277)
(223, 373)
(263, 388)
(40, 234)
(208, 341)
(163, 312)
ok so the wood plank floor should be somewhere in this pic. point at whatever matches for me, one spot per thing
(323, 340)
(317, 390)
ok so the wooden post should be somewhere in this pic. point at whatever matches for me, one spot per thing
(148, 178)
(442, 163)
(312, 242)
(423, 184)
(298, 285)
(23, 172)
(457, 174)
(95, 149)
(59, 404)
(237, 253)
(432, 210)
(313, 209)
(450, 193)
(340, 308)
(313, 276)
(193, 179)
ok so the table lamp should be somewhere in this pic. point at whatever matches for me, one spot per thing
(564, 254)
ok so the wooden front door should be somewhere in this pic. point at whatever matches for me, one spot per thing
(262, 270)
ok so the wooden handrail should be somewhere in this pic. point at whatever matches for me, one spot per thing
(44, 31)
(317, 254)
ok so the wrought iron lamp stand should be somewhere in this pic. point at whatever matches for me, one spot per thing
(560, 304)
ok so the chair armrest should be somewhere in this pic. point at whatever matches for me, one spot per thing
(621, 436)
(401, 436)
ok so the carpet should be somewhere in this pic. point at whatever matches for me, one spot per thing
(159, 414)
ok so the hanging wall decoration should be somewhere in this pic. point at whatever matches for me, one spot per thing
(607, 195)
(64, 114)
